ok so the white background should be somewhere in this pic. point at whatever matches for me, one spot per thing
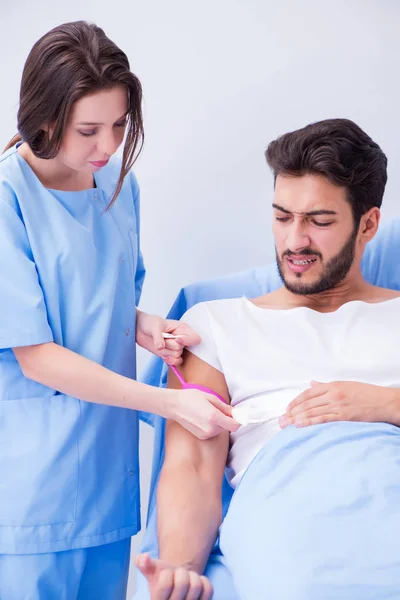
(222, 78)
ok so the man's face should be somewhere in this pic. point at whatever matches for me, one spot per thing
(314, 232)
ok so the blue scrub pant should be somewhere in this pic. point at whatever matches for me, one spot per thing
(98, 573)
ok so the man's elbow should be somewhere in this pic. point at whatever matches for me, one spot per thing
(193, 471)
(185, 466)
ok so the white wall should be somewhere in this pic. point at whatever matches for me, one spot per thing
(221, 79)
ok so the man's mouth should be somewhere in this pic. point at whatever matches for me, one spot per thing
(307, 261)
(300, 265)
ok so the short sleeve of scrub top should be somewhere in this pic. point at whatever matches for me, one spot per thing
(22, 308)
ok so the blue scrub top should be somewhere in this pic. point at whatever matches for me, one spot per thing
(71, 273)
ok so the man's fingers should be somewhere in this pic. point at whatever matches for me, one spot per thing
(160, 580)
(317, 402)
(145, 564)
(306, 396)
(163, 588)
(326, 418)
(318, 411)
(181, 584)
(207, 589)
(195, 587)
(303, 415)
(172, 584)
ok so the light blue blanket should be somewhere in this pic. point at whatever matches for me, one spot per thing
(317, 516)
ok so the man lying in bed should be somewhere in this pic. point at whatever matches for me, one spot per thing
(317, 511)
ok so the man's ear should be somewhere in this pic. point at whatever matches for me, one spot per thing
(369, 224)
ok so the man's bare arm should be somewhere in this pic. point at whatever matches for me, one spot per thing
(189, 491)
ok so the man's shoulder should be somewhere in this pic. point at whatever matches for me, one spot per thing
(220, 309)
(218, 306)
(382, 294)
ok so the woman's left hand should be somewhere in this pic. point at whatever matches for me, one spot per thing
(149, 330)
(342, 401)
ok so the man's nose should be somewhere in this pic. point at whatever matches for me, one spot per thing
(297, 237)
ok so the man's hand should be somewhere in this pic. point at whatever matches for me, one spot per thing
(149, 330)
(167, 582)
(343, 401)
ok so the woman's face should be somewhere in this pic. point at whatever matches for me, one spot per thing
(95, 130)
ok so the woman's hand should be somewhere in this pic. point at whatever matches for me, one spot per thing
(200, 413)
(149, 335)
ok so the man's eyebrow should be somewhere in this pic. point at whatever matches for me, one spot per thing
(92, 123)
(311, 213)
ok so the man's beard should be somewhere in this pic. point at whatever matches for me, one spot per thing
(333, 274)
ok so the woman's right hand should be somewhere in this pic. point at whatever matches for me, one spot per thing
(200, 413)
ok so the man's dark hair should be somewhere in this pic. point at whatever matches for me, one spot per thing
(340, 151)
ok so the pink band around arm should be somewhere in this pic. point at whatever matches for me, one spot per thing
(195, 386)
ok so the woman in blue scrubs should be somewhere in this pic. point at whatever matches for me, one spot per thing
(71, 274)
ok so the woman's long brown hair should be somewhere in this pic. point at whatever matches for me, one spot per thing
(68, 62)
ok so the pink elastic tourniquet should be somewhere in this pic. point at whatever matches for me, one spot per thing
(194, 386)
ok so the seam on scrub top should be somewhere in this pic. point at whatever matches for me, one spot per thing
(79, 459)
